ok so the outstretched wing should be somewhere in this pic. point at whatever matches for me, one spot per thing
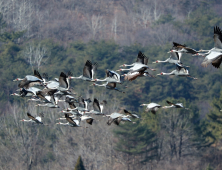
(127, 113)
(96, 105)
(177, 45)
(216, 63)
(36, 74)
(217, 37)
(141, 58)
(170, 103)
(31, 117)
(87, 70)
(70, 120)
(63, 80)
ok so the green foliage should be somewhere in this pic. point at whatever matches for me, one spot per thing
(79, 164)
(209, 167)
(215, 118)
(137, 139)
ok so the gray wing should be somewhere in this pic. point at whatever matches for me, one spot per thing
(81, 102)
(52, 85)
(70, 120)
(72, 105)
(32, 78)
(36, 74)
(216, 63)
(217, 37)
(89, 121)
(87, 70)
(63, 80)
(118, 120)
(96, 105)
(153, 111)
(212, 57)
(110, 121)
(170, 103)
(127, 113)
(31, 117)
(140, 58)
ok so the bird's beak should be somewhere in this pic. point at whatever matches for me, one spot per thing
(142, 105)
(169, 52)
(158, 74)
(154, 62)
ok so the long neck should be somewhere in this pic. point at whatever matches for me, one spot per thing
(158, 61)
(24, 120)
(172, 73)
(101, 79)
(15, 94)
(65, 124)
(126, 65)
(18, 79)
(76, 77)
(100, 84)
(166, 107)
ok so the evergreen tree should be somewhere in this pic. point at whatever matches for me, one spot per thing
(215, 117)
(79, 164)
(137, 141)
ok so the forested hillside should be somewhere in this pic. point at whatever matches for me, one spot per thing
(56, 36)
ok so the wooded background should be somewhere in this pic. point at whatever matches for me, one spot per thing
(60, 35)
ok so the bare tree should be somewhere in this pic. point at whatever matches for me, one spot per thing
(156, 12)
(95, 24)
(36, 54)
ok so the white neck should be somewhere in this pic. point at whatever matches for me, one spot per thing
(101, 79)
(126, 65)
(66, 124)
(75, 77)
(99, 84)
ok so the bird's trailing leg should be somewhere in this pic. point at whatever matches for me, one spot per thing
(193, 77)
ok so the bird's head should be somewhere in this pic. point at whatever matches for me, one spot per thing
(16, 79)
(160, 74)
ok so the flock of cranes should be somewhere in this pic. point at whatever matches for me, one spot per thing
(54, 90)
